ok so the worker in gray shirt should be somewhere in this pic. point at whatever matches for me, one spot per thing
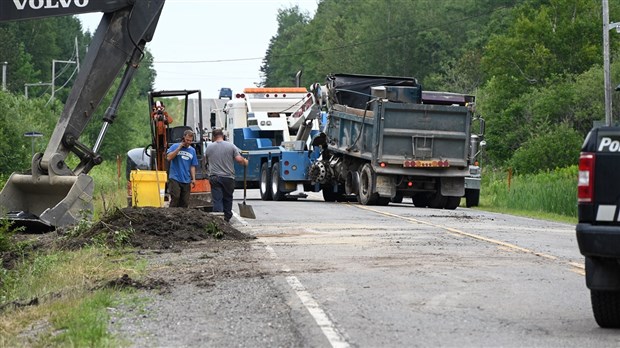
(222, 156)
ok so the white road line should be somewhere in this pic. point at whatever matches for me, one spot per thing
(335, 338)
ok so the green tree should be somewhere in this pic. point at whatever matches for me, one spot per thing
(281, 63)
(551, 148)
(547, 45)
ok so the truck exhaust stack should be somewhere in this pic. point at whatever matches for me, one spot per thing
(42, 203)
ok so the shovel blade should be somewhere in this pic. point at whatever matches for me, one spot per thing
(246, 211)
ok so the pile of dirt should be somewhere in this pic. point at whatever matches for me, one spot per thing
(143, 228)
(156, 228)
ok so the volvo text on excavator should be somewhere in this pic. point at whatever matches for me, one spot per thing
(53, 194)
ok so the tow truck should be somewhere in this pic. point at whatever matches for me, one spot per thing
(53, 194)
(273, 127)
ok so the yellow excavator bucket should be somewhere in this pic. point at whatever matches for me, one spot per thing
(45, 202)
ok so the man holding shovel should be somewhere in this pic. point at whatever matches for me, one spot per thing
(222, 156)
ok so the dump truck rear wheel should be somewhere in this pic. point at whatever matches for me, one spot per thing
(438, 201)
(452, 202)
(367, 179)
(420, 200)
(398, 198)
(265, 183)
(330, 196)
(383, 200)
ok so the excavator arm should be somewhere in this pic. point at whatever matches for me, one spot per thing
(55, 194)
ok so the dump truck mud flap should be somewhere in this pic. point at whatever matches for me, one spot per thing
(46, 202)
(452, 186)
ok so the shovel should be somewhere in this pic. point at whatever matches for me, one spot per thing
(245, 210)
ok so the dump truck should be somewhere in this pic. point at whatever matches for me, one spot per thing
(386, 139)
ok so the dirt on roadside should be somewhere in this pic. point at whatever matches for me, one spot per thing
(146, 228)
(158, 228)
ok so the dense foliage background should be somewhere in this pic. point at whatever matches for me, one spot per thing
(535, 66)
(29, 48)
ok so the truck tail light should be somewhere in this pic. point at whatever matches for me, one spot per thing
(585, 184)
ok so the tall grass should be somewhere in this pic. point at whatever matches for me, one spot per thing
(71, 297)
(553, 192)
(110, 187)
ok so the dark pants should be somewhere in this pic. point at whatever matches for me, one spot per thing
(179, 193)
(222, 191)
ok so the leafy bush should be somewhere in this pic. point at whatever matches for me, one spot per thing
(558, 148)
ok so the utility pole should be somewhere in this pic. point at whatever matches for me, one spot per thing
(606, 60)
(26, 85)
(54, 61)
(4, 64)
(53, 83)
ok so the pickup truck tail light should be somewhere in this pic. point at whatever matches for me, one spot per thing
(585, 184)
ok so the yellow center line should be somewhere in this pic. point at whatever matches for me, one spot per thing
(463, 233)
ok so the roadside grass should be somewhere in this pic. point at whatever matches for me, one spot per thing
(110, 188)
(546, 195)
(60, 298)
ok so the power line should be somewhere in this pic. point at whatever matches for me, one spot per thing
(383, 38)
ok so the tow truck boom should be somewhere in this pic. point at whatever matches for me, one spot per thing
(55, 194)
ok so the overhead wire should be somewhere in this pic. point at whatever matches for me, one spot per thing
(351, 45)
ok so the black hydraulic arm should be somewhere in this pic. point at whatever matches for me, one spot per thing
(119, 41)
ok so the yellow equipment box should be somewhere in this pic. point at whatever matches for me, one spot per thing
(148, 188)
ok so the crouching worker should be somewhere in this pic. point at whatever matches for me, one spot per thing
(182, 172)
(222, 156)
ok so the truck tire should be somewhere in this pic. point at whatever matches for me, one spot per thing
(265, 183)
(398, 198)
(420, 200)
(367, 180)
(383, 201)
(330, 196)
(452, 202)
(472, 198)
(276, 191)
(606, 308)
(437, 201)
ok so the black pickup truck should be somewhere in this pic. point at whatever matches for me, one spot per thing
(598, 230)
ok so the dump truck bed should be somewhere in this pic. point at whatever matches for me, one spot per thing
(405, 135)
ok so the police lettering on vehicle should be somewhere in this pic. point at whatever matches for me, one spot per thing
(607, 144)
(39, 4)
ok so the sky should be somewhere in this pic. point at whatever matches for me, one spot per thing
(210, 44)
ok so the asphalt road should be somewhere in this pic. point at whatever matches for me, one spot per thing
(345, 275)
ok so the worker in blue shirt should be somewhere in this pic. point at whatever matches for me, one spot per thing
(182, 170)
